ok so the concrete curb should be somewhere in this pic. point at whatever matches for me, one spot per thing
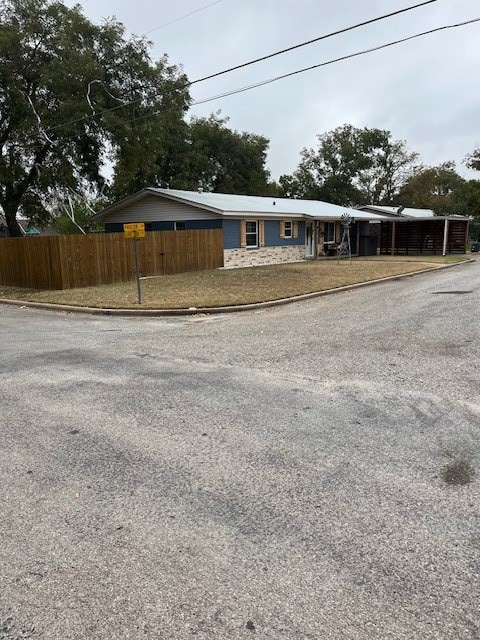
(212, 310)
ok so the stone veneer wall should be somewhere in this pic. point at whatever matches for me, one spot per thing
(263, 255)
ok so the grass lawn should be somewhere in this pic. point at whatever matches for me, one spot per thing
(223, 287)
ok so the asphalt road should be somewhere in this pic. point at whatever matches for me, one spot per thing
(302, 472)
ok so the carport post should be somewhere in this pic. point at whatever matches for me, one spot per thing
(394, 228)
(466, 234)
(445, 237)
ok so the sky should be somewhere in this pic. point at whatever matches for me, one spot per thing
(426, 91)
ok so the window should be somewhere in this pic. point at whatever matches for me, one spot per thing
(329, 230)
(288, 229)
(179, 226)
(251, 233)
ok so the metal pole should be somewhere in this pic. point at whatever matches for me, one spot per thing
(445, 236)
(137, 271)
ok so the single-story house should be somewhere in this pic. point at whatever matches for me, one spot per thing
(414, 231)
(256, 230)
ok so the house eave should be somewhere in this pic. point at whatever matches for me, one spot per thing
(151, 191)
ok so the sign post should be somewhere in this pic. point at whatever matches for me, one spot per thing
(137, 270)
(135, 230)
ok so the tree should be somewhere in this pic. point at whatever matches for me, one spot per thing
(226, 161)
(438, 188)
(473, 160)
(70, 93)
(74, 215)
(470, 195)
(352, 166)
(468, 203)
(204, 154)
(153, 155)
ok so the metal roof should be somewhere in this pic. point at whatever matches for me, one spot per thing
(238, 205)
(406, 212)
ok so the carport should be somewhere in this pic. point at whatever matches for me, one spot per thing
(439, 235)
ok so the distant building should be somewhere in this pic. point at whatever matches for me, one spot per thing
(27, 228)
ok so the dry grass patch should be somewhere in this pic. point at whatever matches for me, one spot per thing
(230, 287)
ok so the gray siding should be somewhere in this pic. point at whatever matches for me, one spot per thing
(156, 209)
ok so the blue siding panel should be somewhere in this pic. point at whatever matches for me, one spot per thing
(231, 231)
(273, 239)
(231, 234)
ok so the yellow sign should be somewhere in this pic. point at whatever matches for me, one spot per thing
(133, 233)
(134, 230)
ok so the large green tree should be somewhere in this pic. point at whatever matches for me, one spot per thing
(351, 166)
(72, 92)
(438, 188)
(471, 194)
(204, 154)
(227, 161)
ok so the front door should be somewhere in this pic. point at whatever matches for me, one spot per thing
(309, 240)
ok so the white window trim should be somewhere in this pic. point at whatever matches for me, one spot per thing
(252, 246)
(177, 222)
(334, 230)
(290, 234)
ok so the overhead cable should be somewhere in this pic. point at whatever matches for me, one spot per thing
(182, 17)
(246, 64)
(315, 66)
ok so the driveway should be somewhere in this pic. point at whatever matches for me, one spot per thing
(300, 472)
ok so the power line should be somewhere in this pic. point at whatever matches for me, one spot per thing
(303, 44)
(303, 70)
(246, 64)
(181, 17)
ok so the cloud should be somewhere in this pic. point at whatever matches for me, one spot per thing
(424, 91)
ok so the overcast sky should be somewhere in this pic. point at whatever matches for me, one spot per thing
(426, 91)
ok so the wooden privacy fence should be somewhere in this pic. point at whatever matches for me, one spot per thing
(66, 262)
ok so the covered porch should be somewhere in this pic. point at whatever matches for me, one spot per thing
(329, 234)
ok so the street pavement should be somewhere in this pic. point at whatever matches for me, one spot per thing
(304, 472)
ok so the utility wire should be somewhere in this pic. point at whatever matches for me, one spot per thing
(246, 64)
(315, 66)
(182, 17)
(303, 44)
